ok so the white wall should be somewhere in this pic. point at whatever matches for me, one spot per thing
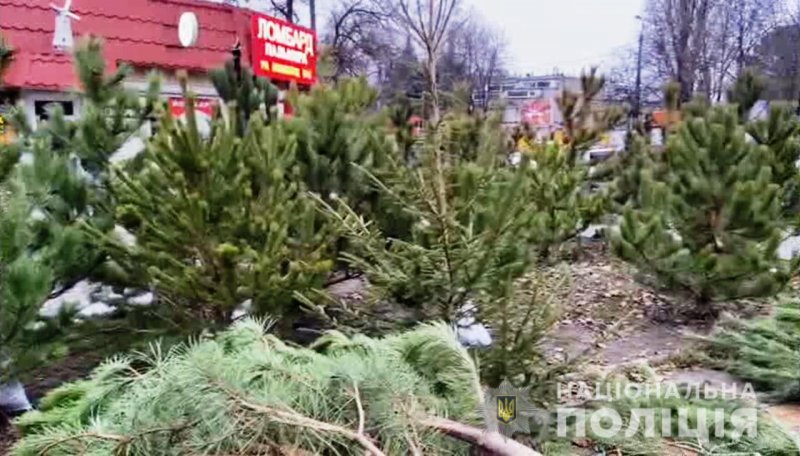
(29, 97)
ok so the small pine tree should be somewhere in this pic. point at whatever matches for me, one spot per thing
(336, 128)
(68, 177)
(584, 121)
(237, 86)
(222, 220)
(26, 278)
(469, 244)
(469, 235)
(560, 201)
(710, 223)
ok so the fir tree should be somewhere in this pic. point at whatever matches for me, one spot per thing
(221, 221)
(710, 223)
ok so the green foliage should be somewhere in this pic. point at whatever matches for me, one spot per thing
(709, 224)
(221, 220)
(627, 168)
(472, 238)
(764, 351)
(68, 176)
(26, 339)
(239, 87)
(770, 438)
(246, 392)
(584, 120)
(745, 92)
(336, 128)
(780, 132)
(560, 201)
(520, 320)
(470, 227)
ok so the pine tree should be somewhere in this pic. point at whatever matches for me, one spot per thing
(779, 130)
(470, 226)
(469, 245)
(558, 186)
(251, 393)
(221, 221)
(765, 351)
(26, 278)
(710, 224)
(338, 129)
(68, 175)
(237, 86)
(561, 202)
(584, 121)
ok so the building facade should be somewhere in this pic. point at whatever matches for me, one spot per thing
(194, 36)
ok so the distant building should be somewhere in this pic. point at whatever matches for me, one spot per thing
(163, 35)
(528, 99)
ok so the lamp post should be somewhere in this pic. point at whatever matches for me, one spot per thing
(637, 105)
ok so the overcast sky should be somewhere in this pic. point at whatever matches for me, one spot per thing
(545, 34)
(564, 34)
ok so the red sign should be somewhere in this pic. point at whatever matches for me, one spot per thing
(537, 113)
(202, 106)
(283, 51)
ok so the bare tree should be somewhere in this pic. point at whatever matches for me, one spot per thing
(356, 34)
(677, 36)
(482, 49)
(704, 44)
(429, 22)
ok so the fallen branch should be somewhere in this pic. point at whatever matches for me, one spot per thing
(493, 442)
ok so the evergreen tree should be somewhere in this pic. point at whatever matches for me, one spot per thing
(221, 221)
(26, 278)
(470, 227)
(250, 393)
(584, 121)
(470, 241)
(237, 86)
(560, 201)
(710, 223)
(765, 351)
(68, 175)
(337, 129)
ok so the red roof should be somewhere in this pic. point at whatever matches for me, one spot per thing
(143, 33)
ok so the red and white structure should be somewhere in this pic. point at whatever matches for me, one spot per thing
(162, 35)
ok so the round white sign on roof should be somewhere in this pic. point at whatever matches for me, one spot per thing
(188, 29)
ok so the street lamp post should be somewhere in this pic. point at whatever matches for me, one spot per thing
(637, 106)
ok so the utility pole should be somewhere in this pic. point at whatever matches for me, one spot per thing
(312, 10)
(637, 106)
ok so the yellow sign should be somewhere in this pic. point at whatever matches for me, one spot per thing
(524, 145)
(506, 408)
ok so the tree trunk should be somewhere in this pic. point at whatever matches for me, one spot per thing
(492, 442)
